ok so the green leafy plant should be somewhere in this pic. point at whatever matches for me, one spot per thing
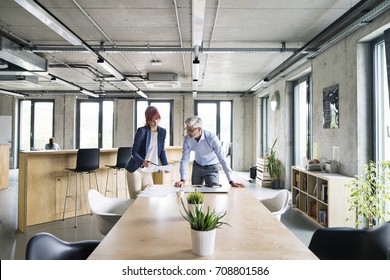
(369, 194)
(195, 198)
(274, 165)
(203, 220)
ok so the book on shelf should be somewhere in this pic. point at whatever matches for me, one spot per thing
(323, 218)
(304, 183)
(324, 192)
(315, 190)
(313, 209)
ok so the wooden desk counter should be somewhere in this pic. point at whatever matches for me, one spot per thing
(43, 180)
(4, 166)
(152, 228)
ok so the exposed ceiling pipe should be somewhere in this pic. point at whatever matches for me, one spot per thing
(346, 19)
(93, 22)
(212, 37)
(105, 35)
(145, 50)
(180, 37)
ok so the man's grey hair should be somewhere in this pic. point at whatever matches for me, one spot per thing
(194, 122)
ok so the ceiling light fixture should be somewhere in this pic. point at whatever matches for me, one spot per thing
(143, 94)
(11, 93)
(110, 69)
(40, 13)
(195, 69)
(65, 83)
(195, 85)
(198, 13)
(129, 84)
(90, 93)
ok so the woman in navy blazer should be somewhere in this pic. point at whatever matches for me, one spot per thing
(148, 151)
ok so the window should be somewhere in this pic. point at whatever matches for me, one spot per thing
(264, 124)
(95, 124)
(381, 110)
(166, 113)
(214, 121)
(36, 123)
(302, 121)
(381, 104)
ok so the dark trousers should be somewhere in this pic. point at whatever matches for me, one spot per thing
(204, 174)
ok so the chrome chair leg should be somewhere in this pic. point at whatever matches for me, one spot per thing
(75, 202)
(108, 174)
(66, 197)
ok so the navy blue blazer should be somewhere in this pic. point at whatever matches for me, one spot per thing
(141, 146)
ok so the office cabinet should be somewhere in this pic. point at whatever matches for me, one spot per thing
(322, 197)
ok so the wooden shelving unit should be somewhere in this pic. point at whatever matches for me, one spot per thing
(323, 197)
(262, 175)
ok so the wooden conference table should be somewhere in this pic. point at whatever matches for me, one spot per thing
(153, 229)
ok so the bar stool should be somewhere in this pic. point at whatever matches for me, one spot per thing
(87, 162)
(123, 155)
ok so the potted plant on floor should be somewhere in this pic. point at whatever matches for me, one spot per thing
(203, 225)
(195, 200)
(369, 194)
(274, 166)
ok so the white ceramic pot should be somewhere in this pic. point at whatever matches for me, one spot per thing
(191, 207)
(203, 242)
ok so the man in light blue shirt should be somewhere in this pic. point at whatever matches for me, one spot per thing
(208, 153)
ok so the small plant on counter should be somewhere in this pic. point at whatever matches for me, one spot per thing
(203, 220)
(195, 198)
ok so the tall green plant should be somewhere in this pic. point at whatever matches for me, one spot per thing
(274, 165)
(203, 220)
(370, 193)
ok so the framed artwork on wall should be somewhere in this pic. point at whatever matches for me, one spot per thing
(331, 107)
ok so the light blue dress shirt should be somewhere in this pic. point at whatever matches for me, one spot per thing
(208, 151)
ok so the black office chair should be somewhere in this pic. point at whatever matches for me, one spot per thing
(87, 162)
(45, 246)
(344, 243)
(123, 155)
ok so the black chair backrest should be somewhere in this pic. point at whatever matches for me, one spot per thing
(124, 153)
(88, 159)
(45, 246)
(343, 243)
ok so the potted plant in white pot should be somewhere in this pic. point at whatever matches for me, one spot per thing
(274, 166)
(203, 225)
(195, 200)
(370, 193)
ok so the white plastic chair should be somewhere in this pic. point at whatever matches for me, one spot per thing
(108, 210)
(277, 204)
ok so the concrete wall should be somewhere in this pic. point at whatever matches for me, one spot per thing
(124, 110)
(348, 64)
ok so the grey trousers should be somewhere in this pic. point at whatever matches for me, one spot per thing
(204, 174)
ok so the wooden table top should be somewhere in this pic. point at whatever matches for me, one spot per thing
(153, 229)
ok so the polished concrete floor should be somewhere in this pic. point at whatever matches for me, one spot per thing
(13, 243)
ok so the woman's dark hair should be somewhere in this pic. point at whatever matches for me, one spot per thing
(151, 114)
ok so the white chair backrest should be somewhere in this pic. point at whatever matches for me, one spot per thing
(277, 204)
(102, 205)
(108, 210)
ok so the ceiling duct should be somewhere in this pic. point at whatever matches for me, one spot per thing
(17, 81)
(15, 54)
(162, 80)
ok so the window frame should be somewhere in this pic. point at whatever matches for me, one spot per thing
(100, 120)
